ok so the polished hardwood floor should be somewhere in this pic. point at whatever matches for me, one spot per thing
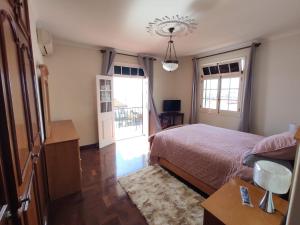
(103, 201)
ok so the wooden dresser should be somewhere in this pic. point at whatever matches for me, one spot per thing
(63, 159)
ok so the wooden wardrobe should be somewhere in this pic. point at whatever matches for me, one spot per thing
(23, 198)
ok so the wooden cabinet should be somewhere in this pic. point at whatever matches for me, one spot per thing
(169, 119)
(63, 160)
(20, 144)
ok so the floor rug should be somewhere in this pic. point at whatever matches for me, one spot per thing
(162, 199)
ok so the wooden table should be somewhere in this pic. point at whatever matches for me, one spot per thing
(225, 207)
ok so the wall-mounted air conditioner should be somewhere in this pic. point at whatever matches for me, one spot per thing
(45, 41)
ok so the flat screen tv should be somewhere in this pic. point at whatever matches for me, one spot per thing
(171, 105)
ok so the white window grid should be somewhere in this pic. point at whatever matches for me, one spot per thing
(210, 104)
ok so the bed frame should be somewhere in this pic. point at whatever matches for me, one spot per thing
(202, 186)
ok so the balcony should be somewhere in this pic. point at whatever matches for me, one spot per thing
(128, 122)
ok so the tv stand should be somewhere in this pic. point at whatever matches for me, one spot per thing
(168, 119)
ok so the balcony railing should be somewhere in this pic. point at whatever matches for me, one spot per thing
(129, 117)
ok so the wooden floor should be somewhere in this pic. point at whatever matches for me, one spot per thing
(103, 201)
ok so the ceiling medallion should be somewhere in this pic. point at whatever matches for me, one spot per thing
(183, 25)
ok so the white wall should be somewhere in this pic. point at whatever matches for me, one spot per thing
(73, 69)
(38, 58)
(72, 88)
(275, 88)
(277, 85)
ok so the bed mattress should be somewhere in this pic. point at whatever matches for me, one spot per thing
(210, 154)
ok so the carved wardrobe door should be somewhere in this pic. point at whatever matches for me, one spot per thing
(37, 153)
(16, 128)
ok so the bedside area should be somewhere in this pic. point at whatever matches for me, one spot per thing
(225, 207)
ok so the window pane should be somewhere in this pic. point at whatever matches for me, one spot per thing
(224, 104)
(224, 68)
(213, 104)
(235, 82)
(117, 69)
(204, 84)
(214, 69)
(233, 106)
(224, 93)
(206, 94)
(108, 96)
(206, 71)
(234, 67)
(204, 103)
(214, 84)
(213, 94)
(103, 107)
(134, 71)
(203, 93)
(102, 84)
(141, 72)
(109, 108)
(108, 85)
(225, 83)
(125, 70)
(210, 93)
(234, 94)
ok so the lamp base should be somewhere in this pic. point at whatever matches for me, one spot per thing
(266, 203)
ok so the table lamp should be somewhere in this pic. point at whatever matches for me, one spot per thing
(272, 177)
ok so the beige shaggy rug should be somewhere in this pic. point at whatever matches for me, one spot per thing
(162, 199)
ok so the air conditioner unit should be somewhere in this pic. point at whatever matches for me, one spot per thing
(45, 41)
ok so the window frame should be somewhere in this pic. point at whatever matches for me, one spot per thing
(130, 65)
(240, 74)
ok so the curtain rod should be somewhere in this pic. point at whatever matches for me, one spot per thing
(233, 50)
(118, 53)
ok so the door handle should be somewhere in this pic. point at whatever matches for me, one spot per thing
(3, 212)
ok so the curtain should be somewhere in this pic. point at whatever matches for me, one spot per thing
(246, 107)
(194, 103)
(147, 64)
(108, 56)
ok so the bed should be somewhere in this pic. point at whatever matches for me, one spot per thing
(203, 155)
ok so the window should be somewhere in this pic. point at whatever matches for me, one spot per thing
(128, 71)
(221, 86)
(229, 93)
(210, 93)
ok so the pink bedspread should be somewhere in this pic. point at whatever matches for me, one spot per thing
(211, 154)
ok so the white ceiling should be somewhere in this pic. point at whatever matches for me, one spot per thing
(122, 23)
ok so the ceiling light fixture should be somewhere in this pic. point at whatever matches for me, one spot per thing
(170, 62)
(173, 26)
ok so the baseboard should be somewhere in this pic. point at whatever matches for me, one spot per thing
(91, 146)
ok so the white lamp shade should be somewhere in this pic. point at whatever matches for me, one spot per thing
(170, 66)
(272, 176)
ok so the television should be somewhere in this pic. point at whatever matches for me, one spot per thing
(171, 105)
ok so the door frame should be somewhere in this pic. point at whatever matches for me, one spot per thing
(145, 103)
(98, 78)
